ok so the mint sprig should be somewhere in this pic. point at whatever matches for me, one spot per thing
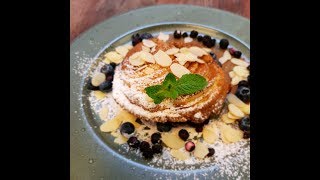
(172, 88)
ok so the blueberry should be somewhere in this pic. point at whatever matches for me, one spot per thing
(155, 138)
(237, 54)
(211, 152)
(164, 127)
(90, 86)
(213, 55)
(189, 146)
(127, 128)
(146, 36)
(194, 34)
(107, 69)
(208, 42)
(109, 78)
(105, 86)
(157, 148)
(246, 134)
(148, 153)
(199, 128)
(184, 134)
(243, 93)
(200, 38)
(206, 37)
(185, 34)
(224, 43)
(177, 34)
(213, 41)
(244, 124)
(136, 39)
(144, 145)
(113, 65)
(243, 83)
(133, 142)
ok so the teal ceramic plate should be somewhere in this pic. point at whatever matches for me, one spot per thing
(93, 154)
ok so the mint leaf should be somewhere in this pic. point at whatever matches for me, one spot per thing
(155, 93)
(170, 79)
(172, 88)
(190, 83)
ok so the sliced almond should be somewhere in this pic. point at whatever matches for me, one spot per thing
(233, 99)
(225, 57)
(226, 119)
(232, 74)
(126, 116)
(145, 49)
(111, 125)
(153, 49)
(148, 70)
(201, 150)
(148, 43)
(162, 59)
(172, 140)
(172, 51)
(113, 56)
(235, 110)
(136, 62)
(197, 51)
(187, 40)
(99, 95)
(200, 61)
(184, 50)
(239, 62)
(163, 37)
(115, 134)
(135, 59)
(98, 78)
(103, 114)
(122, 50)
(179, 70)
(235, 80)
(120, 140)
(210, 133)
(241, 71)
(181, 155)
(147, 57)
(232, 116)
(106, 60)
(128, 46)
(208, 50)
(230, 134)
(246, 109)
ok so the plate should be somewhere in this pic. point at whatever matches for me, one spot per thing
(93, 154)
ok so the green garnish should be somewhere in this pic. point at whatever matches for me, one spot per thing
(172, 88)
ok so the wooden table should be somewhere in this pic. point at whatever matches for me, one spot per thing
(86, 13)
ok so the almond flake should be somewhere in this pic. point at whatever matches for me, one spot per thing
(103, 114)
(148, 70)
(181, 155)
(201, 150)
(179, 70)
(233, 99)
(208, 50)
(188, 40)
(128, 46)
(225, 57)
(197, 51)
(98, 78)
(113, 56)
(147, 57)
(145, 49)
(235, 110)
(235, 80)
(148, 43)
(172, 51)
(163, 37)
(162, 59)
(184, 50)
(122, 50)
(239, 62)
(241, 71)
(232, 74)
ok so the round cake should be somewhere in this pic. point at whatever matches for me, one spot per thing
(150, 61)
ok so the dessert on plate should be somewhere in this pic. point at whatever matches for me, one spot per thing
(180, 92)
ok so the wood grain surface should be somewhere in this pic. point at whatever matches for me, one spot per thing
(86, 13)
